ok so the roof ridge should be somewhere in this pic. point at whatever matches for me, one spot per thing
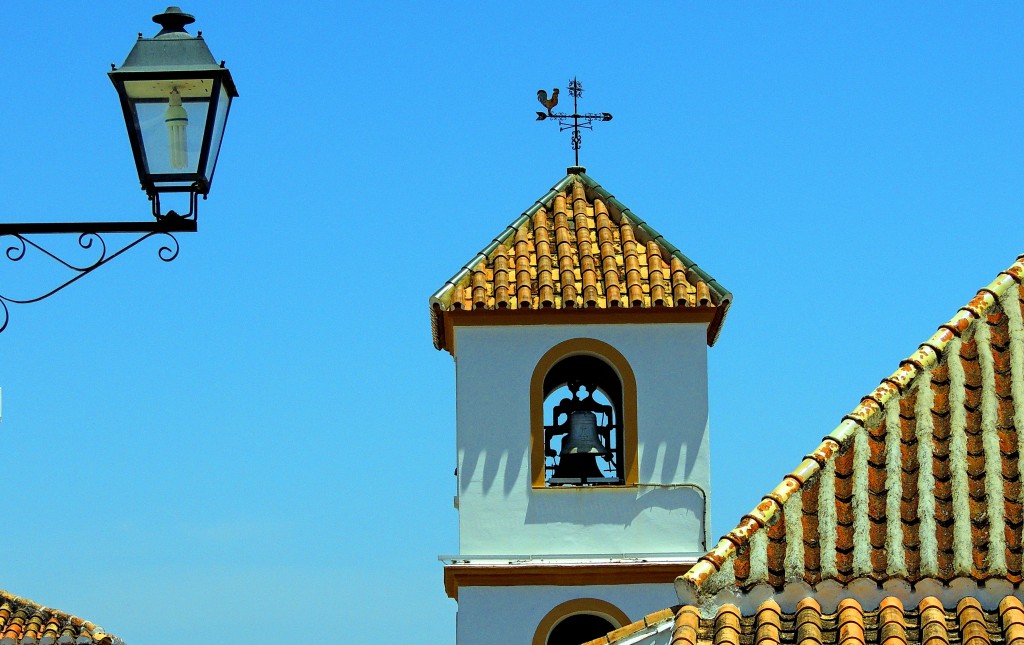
(927, 355)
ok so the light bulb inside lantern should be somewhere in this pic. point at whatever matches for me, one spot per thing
(177, 122)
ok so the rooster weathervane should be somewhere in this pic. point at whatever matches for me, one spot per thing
(573, 121)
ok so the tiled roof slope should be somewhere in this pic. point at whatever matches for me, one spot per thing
(968, 623)
(23, 622)
(918, 488)
(578, 247)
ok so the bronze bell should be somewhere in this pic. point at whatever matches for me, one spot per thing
(580, 448)
(582, 437)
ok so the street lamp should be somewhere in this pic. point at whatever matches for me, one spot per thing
(175, 98)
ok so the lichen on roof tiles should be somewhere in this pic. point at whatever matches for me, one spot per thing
(578, 247)
(921, 482)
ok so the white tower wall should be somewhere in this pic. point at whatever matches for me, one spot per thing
(500, 513)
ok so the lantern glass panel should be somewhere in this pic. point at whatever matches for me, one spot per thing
(217, 134)
(171, 117)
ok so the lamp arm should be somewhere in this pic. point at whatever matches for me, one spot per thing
(19, 246)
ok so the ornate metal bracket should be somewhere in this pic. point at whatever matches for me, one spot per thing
(90, 237)
(577, 120)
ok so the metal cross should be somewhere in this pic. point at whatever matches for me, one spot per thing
(573, 121)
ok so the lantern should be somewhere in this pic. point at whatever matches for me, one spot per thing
(175, 99)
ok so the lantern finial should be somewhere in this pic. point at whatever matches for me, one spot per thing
(173, 20)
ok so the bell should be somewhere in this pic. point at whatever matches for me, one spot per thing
(582, 437)
(580, 448)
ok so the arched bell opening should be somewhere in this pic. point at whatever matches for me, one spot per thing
(583, 438)
(611, 383)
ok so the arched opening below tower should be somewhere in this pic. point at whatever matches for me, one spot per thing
(579, 628)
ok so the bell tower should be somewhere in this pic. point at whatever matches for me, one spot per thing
(580, 341)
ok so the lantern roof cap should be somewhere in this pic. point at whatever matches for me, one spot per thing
(173, 21)
(171, 49)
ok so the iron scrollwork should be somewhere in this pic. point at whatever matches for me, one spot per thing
(18, 246)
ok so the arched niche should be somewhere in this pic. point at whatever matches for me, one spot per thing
(591, 379)
(578, 621)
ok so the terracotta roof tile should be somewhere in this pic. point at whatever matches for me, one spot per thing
(932, 622)
(972, 622)
(892, 630)
(808, 622)
(768, 624)
(851, 623)
(727, 626)
(1011, 618)
(921, 481)
(579, 248)
(687, 622)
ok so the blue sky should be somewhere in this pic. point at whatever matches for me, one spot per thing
(258, 438)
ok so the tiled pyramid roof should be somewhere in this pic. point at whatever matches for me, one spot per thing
(918, 486)
(23, 622)
(578, 247)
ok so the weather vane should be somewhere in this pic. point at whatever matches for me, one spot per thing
(573, 121)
